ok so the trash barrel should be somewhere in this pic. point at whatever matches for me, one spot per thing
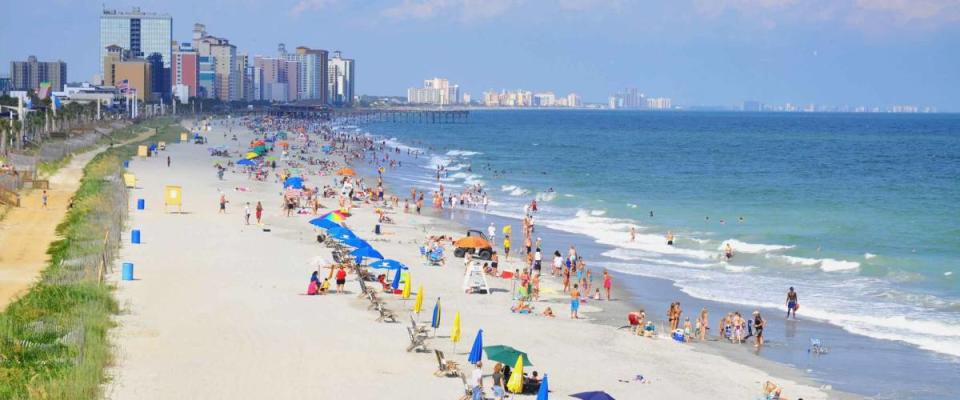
(141, 204)
(126, 163)
(376, 229)
(135, 236)
(128, 271)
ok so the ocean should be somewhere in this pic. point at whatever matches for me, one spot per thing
(859, 212)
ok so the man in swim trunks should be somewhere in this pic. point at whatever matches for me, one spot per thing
(574, 302)
(792, 303)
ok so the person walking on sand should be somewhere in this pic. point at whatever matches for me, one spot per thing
(575, 302)
(168, 161)
(607, 283)
(259, 211)
(506, 247)
(341, 279)
(223, 203)
(43, 199)
(476, 380)
(246, 213)
(792, 303)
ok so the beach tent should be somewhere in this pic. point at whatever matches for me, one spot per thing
(597, 395)
(476, 352)
(505, 354)
(246, 162)
(515, 384)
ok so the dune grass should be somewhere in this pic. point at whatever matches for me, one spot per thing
(53, 340)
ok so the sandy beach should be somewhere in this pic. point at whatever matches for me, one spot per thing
(217, 309)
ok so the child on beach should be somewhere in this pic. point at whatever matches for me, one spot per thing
(607, 283)
(259, 211)
(43, 199)
(246, 213)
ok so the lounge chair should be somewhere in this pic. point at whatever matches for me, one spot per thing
(363, 288)
(416, 341)
(374, 300)
(423, 330)
(467, 388)
(444, 366)
(385, 314)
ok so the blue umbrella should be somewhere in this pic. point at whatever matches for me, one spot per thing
(435, 322)
(368, 252)
(544, 391)
(246, 162)
(476, 352)
(324, 223)
(357, 243)
(598, 395)
(387, 264)
(342, 234)
(295, 181)
(396, 280)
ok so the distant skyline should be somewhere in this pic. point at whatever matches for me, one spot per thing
(697, 52)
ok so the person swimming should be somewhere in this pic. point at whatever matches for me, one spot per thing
(669, 238)
(728, 251)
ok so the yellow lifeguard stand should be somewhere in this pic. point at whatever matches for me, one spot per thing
(129, 180)
(142, 150)
(173, 196)
(183, 137)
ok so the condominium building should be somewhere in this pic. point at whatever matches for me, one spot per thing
(126, 73)
(28, 75)
(312, 72)
(279, 79)
(185, 69)
(223, 55)
(140, 33)
(436, 91)
(206, 77)
(340, 80)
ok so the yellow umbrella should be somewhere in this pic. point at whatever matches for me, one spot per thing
(507, 229)
(418, 302)
(455, 332)
(251, 155)
(515, 384)
(406, 288)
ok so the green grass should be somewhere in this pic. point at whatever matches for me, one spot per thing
(53, 340)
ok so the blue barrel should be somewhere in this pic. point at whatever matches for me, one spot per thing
(128, 271)
(126, 163)
(376, 229)
(135, 236)
(141, 204)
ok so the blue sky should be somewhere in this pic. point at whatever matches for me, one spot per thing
(719, 52)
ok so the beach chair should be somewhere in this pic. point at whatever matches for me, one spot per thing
(423, 330)
(467, 388)
(385, 314)
(374, 300)
(416, 342)
(445, 367)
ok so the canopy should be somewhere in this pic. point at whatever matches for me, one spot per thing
(368, 252)
(342, 234)
(473, 242)
(360, 244)
(388, 264)
(251, 155)
(505, 354)
(597, 395)
(294, 181)
(246, 162)
(346, 172)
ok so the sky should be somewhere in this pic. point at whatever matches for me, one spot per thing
(697, 52)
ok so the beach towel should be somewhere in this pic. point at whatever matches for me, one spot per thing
(312, 289)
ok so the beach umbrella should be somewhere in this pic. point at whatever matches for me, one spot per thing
(367, 252)
(544, 392)
(505, 354)
(597, 395)
(334, 216)
(435, 321)
(455, 331)
(251, 155)
(246, 162)
(515, 384)
(406, 287)
(324, 223)
(340, 233)
(358, 243)
(295, 182)
(472, 242)
(476, 352)
(396, 281)
(418, 302)
(507, 229)
(346, 172)
(387, 264)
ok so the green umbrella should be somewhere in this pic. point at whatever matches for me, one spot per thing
(506, 354)
(260, 149)
(271, 158)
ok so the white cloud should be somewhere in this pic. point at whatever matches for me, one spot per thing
(464, 9)
(303, 6)
(872, 15)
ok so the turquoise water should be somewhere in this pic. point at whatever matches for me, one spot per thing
(860, 212)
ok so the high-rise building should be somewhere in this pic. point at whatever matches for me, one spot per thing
(573, 100)
(312, 74)
(185, 69)
(242, 76)
(5, 85)
(126, 73)
(279, 78)
(341, 77)
(140, 33)
(223, 55)
(28, 75)
(436, 91)
(206, 77)
(547, 99)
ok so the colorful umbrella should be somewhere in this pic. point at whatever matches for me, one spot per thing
(418, 302)
(346, 172)
(341, 234)
(334, 216)
(396, 281)
(251, 155)
(544, 392)
(473, 242)
(435, 322)
(358, 243)
(476, 352)
(387, 264)
(406, 288)
(505, 354)
(515, 384)
(455, 331)
(597, 395)
(368, 252)
(246, 162)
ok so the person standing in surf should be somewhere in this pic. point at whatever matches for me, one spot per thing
(792, 303)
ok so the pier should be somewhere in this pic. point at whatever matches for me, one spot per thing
(363, 115)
